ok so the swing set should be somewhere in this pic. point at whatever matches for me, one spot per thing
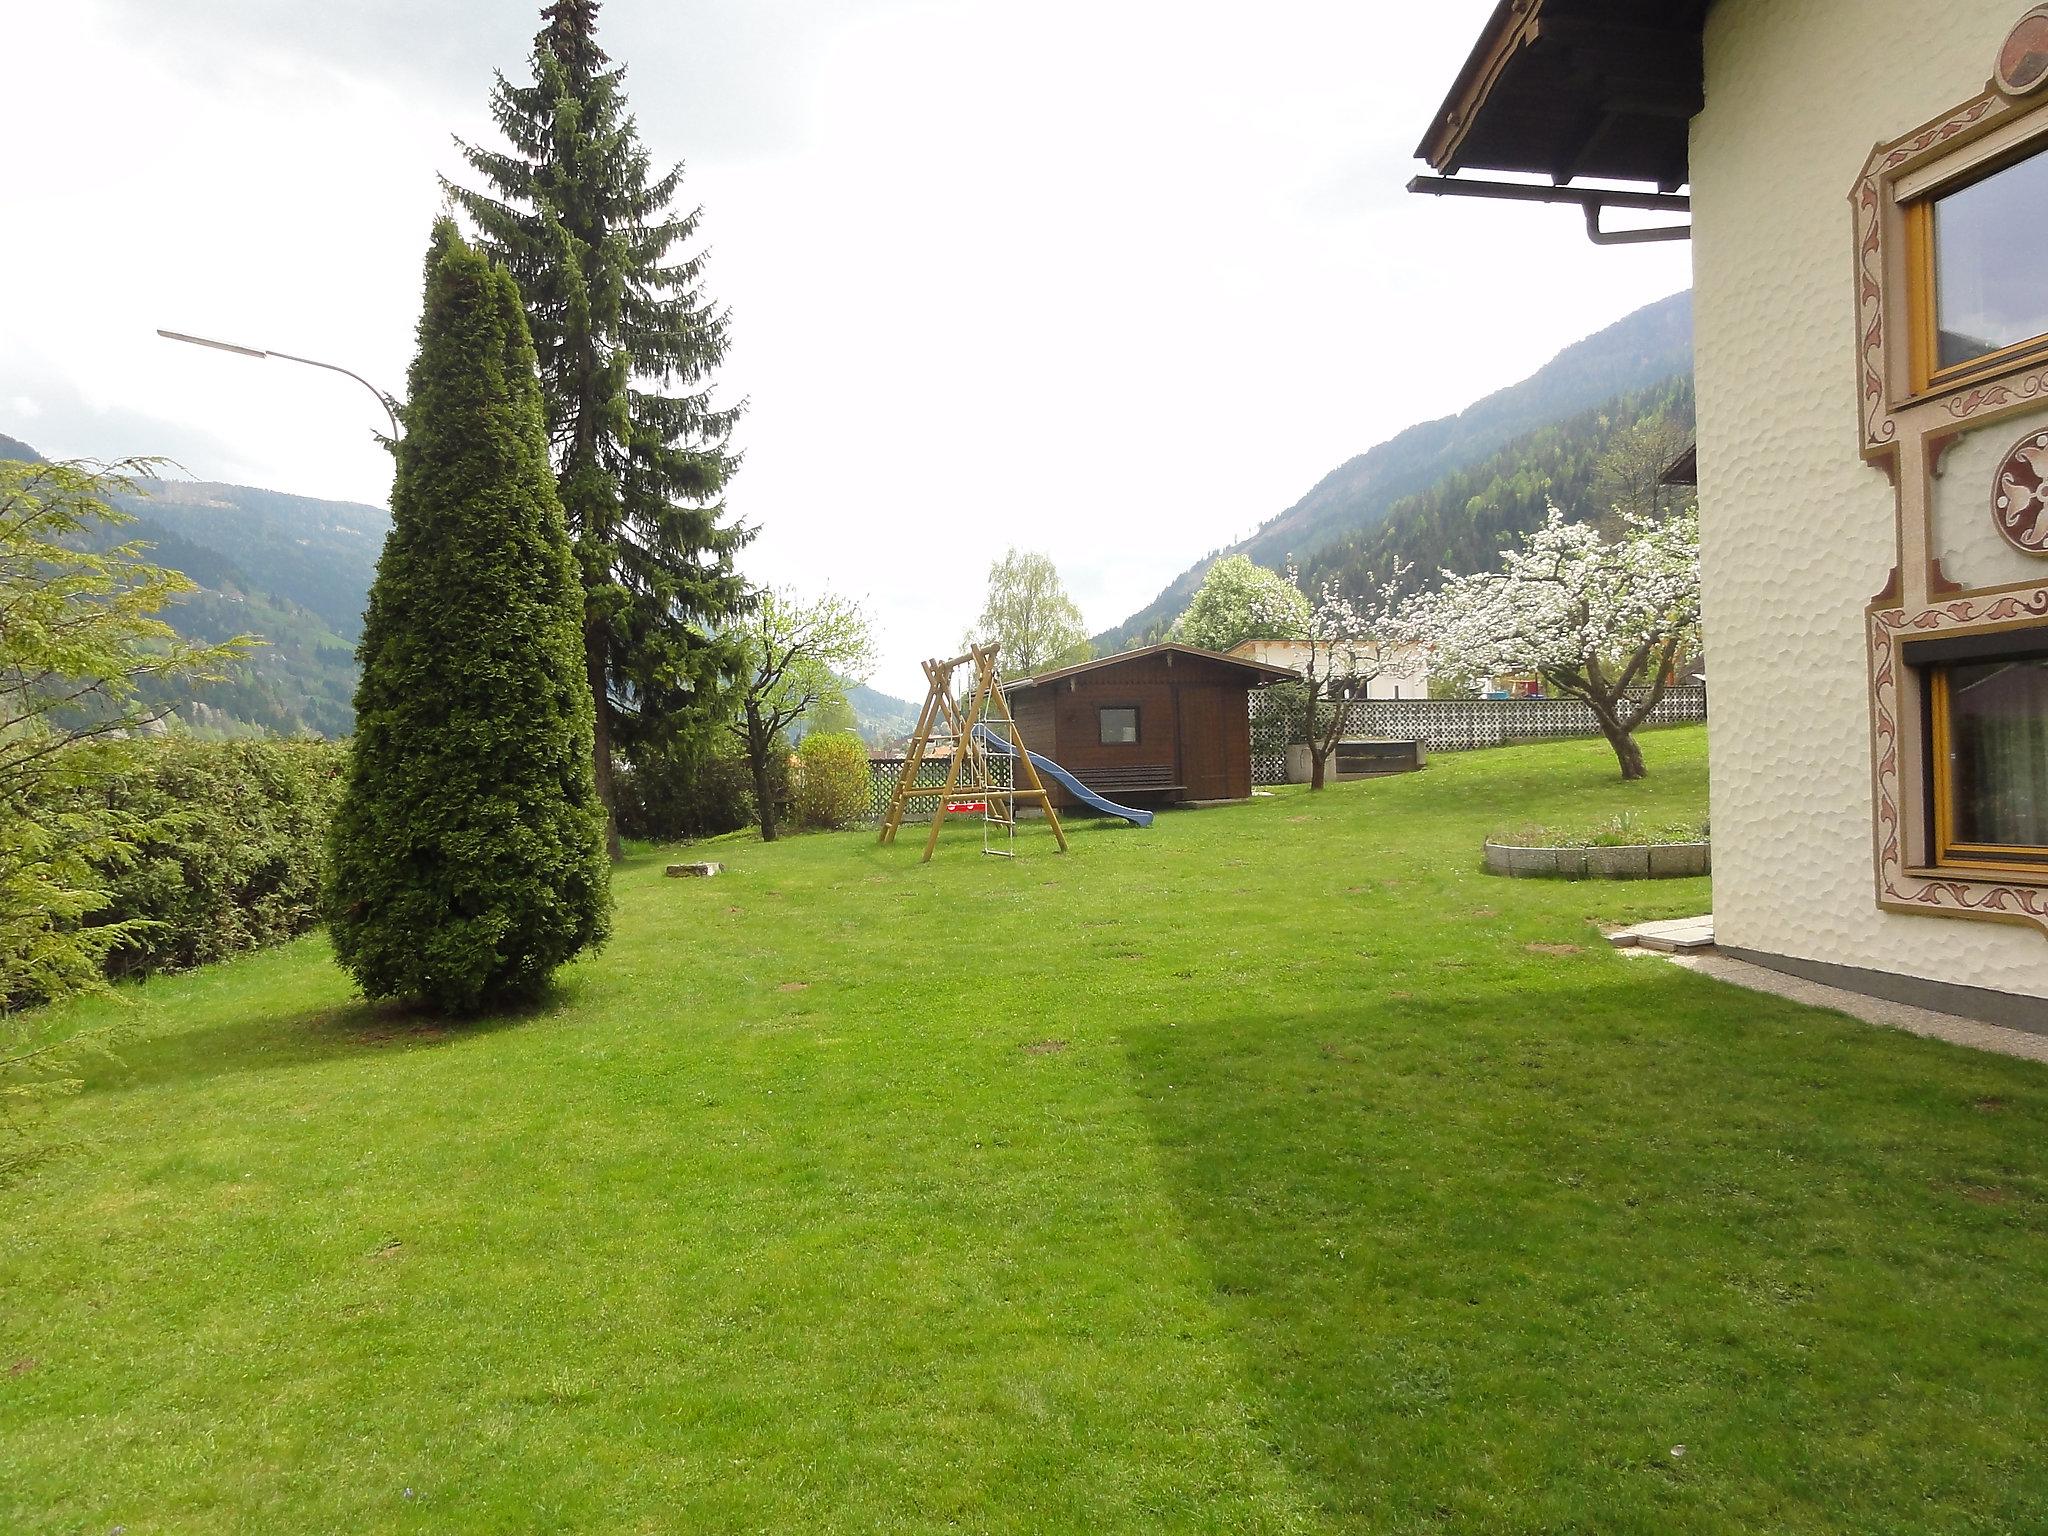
(976, 734)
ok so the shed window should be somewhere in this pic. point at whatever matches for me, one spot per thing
(1989, 724)
(1119, 726)
(1981, 254)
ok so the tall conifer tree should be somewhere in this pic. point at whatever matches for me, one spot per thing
(467, 855)
(628, 343)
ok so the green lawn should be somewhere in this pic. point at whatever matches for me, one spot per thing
(1270, 1170)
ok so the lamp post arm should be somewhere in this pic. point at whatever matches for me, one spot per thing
(390, 405)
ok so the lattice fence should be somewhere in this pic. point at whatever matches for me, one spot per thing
(1457, 725)
(883, 773)
(1271, 730)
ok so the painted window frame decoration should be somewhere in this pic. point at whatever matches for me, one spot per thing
(1909, 416)
(1102, 736)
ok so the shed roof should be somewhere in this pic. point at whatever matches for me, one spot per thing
(1257, 673)
(1569, 88)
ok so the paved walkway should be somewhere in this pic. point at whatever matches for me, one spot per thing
(1871, 1010)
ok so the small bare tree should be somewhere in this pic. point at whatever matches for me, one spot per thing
(1629, 479)
(1343, 644)
(796, 656)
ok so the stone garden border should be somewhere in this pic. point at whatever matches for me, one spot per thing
(1636, 861)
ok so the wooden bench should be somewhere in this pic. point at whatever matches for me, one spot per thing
(1371, 759)
(1135, 779)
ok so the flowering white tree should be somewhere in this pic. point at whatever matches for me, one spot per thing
(1597, 621)
(1344, 646)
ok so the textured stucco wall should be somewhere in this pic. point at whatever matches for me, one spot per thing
(1798, 530)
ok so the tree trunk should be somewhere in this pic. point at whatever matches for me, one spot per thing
(1623, 741)
(1316, 758)
(759, 744)
(597, 665)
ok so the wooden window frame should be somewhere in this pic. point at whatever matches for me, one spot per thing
(1137, 725)
(2008, 861)
(1922, 295)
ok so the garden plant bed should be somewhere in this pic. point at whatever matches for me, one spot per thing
(1627, 861)
(1626, 845)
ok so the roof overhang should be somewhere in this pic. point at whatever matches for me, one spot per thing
(1572, 89)
(1683, 470)
(1257, 673)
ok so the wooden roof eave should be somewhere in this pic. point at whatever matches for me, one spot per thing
(1265, 672)
(1570, 88)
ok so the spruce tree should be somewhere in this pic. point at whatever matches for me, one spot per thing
(627, 342)
(467, 858)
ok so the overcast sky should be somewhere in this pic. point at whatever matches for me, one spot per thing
(1117, 280)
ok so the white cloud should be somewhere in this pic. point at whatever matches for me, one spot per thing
(1112, 280)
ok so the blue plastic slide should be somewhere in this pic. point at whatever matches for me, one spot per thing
(1066, 780)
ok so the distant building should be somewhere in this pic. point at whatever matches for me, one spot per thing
(1405, 674)
(1872, 366)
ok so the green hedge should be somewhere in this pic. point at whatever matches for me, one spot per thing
(236, 854)
(692, 792)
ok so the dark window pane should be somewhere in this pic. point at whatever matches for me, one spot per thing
(1998, 753)
(1119, 727)
(1991, 262)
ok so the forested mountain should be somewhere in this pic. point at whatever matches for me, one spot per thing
(290, 569)
(1463, 521)
(1643, 353)
(318, 555)
(295, 571)
(881, 717)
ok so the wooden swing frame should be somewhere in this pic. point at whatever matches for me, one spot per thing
(942, 708)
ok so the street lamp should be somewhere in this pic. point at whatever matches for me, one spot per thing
(390, 405)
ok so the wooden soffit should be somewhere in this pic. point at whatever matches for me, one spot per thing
(1570, 88)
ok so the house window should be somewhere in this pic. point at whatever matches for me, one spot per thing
(1988, 719)
(1980, 278)
(1119, 726)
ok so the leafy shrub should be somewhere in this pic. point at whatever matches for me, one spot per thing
(832, 780)
(230, 849)
(687, 792)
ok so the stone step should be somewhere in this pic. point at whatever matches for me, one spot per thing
(1684, 936)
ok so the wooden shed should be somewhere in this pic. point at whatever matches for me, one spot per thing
(1166, 723)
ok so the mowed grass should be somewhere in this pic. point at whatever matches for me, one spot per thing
(1273, 1170)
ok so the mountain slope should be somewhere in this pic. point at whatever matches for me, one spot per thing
(319, 555)
(881, 717)
(1641, 352)
(295, 571)
(1462, 522)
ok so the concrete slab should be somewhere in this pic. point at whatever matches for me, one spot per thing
(1871, 1010)
(1681, 936)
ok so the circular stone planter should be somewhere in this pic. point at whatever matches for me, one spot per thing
(1639, 861)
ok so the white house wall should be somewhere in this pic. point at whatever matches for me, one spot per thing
(1799, 532)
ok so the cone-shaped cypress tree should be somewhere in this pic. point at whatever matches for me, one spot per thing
(628, 342)
(467, 857)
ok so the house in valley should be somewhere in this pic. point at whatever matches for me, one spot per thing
(1395, 672)
(1868, 206)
